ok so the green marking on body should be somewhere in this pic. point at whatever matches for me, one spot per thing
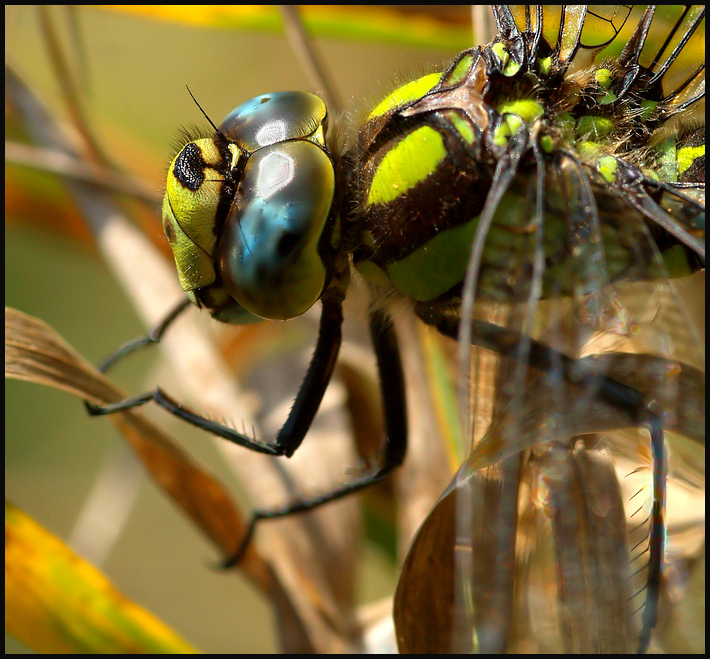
(687, 155)
(526, 108)
(588, 149)
(607, 167)
(603, 78)
(406, 94)
(547, 144)
(462, 126)
(409, 162)
(647, 108)
(667, 160)
(593, 127)
(460, 71)
(436, 266)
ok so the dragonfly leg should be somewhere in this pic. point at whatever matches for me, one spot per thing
(128, 348)
(395, 443)
(304, 409)
(152, 337)
(658, 534)
(540, 356)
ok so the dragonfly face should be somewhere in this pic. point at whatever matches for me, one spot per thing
(249, 214)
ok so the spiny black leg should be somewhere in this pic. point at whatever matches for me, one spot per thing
(394, 402)
(395, 443)
(130, 347)
(153, 336)
(320, 370)
(658, 534)
(544, 358)
(304, 409)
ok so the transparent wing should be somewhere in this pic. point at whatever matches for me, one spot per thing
(591, 339)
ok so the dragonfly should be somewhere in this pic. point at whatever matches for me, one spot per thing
(537, 198)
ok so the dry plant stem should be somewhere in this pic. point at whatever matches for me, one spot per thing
(35, 353)
(62, 164)
(320, 623)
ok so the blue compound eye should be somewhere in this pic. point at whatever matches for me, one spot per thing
(272, 118)
(267, 252)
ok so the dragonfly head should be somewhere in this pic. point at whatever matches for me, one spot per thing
(249, 212)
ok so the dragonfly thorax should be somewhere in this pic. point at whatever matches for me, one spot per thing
(432, 155)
